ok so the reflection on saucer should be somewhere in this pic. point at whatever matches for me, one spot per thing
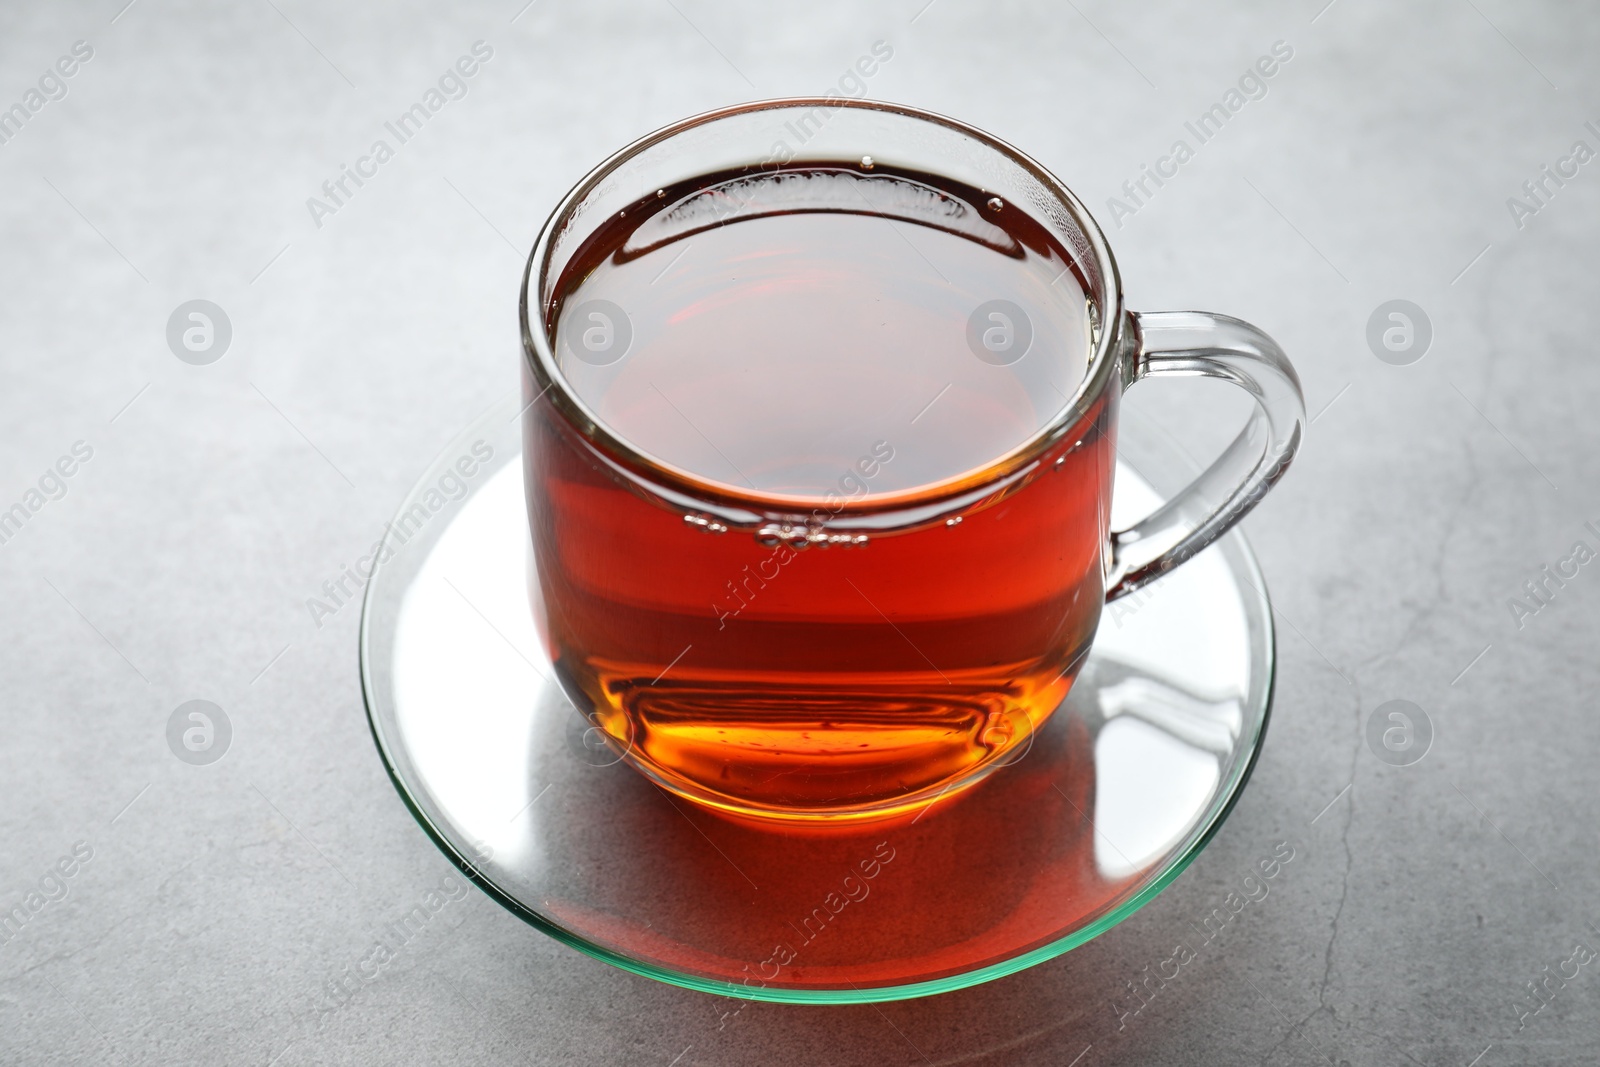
(1159, 757)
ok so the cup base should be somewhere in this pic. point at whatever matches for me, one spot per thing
(816, 754)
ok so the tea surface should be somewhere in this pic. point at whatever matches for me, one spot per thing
(774, 327)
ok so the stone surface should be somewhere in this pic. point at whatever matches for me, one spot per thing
(220, 900)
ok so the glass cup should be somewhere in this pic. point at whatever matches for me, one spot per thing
(851, 655)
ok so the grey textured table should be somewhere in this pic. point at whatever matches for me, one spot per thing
(221, 908)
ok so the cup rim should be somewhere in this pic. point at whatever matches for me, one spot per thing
(1005, 468)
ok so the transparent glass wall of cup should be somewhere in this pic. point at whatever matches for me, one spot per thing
(935, 628)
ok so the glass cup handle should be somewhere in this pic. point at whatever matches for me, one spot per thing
(1185, 344)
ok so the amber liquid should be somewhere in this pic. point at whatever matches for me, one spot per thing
(806, 332)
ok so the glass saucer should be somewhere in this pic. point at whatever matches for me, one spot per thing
(1114, 798)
